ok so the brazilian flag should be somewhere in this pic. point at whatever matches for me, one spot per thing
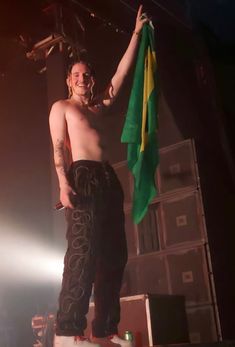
(141, 124)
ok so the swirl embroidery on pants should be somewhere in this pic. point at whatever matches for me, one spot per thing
(77, 259)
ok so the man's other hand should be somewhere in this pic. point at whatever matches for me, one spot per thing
(66, 192)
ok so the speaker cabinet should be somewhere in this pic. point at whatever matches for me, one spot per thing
(202, 325)
(177, 168)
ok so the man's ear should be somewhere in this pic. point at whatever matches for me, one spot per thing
(68, 81)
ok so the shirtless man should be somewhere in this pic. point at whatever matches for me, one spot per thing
(93, 198)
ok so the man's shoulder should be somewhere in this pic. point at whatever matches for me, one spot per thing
(58, 110)
(61, 103)
(59, 106)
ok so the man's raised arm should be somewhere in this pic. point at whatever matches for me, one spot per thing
(127, 59)
(58, 135)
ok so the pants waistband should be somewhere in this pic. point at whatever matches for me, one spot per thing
(90, 163)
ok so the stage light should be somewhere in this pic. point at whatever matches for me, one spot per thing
(25, 258)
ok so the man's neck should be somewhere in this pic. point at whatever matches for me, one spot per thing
(81, 100)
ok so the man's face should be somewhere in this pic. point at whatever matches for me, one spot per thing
(80, 79)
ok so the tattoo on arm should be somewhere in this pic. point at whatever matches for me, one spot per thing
(59, 157)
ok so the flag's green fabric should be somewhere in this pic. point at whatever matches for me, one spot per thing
(141, 124)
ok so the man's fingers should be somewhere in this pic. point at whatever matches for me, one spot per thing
(143, 15)
(69, 205)
(139, 11)
(145, 20)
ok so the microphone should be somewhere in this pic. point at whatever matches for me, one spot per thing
(58, 206)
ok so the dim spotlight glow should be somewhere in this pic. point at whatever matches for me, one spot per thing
(28, 259)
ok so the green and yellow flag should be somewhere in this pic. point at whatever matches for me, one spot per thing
(140, 129)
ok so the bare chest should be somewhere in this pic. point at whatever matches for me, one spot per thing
(83, 118)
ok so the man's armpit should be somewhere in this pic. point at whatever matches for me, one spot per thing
(108, 95)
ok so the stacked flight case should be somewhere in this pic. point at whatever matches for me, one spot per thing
(152, 319)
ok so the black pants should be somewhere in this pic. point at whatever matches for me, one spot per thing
(96, 253)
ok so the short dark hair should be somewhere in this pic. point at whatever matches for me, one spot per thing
(85, 62)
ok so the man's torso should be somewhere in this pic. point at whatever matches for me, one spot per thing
(84, 126)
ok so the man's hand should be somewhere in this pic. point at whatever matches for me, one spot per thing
(65, 196)
(141, 19)
(127, 60)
